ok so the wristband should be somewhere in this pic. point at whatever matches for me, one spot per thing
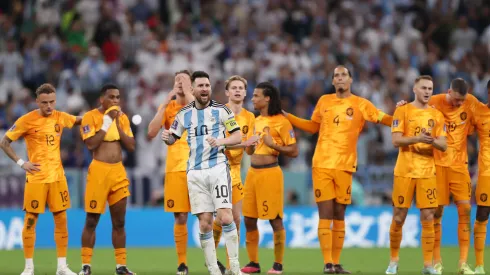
(20, 162)
(107, 121)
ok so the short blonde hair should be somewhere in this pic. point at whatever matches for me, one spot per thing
(426, 77)
(45, 88)
(233, 78)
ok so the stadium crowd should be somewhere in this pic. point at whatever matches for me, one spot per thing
(139, 44)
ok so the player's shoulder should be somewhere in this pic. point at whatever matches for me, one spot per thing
(248, 114)
(91, 113)
(435, 111)
(220, 106)
(191, 105)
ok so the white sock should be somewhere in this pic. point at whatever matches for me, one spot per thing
(207, 245)
(61, 261)
(231, 239)
(119, 265)
(29, 263)
(85, 265)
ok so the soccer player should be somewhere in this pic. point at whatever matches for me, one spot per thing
(340, 118)
(417, 129)
(105, 130)
(208, 174)
(175, 187)
(453, 178)
(236, 89)
(264, 185)
(45, 177)
(482, 125)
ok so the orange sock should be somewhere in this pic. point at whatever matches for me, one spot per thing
(87, 255)
(60, 233)
(29, 235)
(437, 240)
(464, 231)
(217, 229)
(120, 254)
(325, 238)
(396, 235)
(338, 235)
(279, 244)
(427, 240)
(480, 237)
(180, 237)
(252, 243)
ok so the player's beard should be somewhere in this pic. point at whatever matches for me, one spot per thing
(201, 101)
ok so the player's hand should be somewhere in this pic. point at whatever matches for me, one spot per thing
(267, 138)
(401, 103)
(113, 112)
(31, 167)
(425, 138)
(213, 142)
(166, 135)
(187, 86)
(252, 141)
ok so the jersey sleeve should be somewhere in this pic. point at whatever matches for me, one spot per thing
(440, 129)
(228, 119)
(370, 112)
(177, 128)
(287, 133)
(88, 126)
(17, 130)
(317, 114)
(67, 120)
(474, 103)
(398, 124)
(126, 125)
(251, 126)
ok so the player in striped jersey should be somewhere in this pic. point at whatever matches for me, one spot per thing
(206, 122)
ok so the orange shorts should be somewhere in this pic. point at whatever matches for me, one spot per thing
(329, 184)
(455, 182)
(425, 190)
(55, 194)
(175, 192)
(482, 191)
(106, 182)
(236, 182)
(264, 193)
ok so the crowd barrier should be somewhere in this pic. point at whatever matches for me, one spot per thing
(152, 227)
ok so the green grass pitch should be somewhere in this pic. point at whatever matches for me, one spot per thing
(153, 261)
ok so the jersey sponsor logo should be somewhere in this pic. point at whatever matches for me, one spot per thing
(86, 129)
(174, 125)
(395, 123)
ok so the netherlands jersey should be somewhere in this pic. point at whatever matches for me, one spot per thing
(212, 121)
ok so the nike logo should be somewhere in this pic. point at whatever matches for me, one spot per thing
(64, 205)
(263, 215)
(483, 123)
(411, 120)
(35, 131)
(432, 202)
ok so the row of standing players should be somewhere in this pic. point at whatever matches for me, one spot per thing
(417, 128)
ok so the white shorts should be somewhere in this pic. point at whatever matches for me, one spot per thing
(209, 189)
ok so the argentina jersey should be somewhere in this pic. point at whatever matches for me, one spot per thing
(200, 124)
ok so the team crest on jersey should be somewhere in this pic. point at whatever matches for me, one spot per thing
(12, 128)
(349, 111)
(86, 129)
(174, 125)
(483, 197)
(431, 123)
(395, 123)
(245, 129)
(57, 128)
(463, 116)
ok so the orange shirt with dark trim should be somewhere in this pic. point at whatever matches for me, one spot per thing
(417, 160)
(341, 121)
(280, 129)
(92, 122)
(43, 136)
(458, 124)
(481, 122)
(177, 153)
(246, 121)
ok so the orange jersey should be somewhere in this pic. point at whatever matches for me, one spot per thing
(417, 160)
(246, 121)
(280, 129)
(43, 136)
(458, 124)
(482, 126)
(178, 153)
(92, 122)
(341, 121)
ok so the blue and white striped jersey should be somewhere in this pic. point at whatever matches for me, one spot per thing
(200, 124)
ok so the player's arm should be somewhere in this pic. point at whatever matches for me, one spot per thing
(91, 138)
(176, 130)
(372, 114)
(399, 140)
(398, 129)
(159, 119)
(286, 133)
(125, 134)
(227, 118)
(439, 141)
(309, 126)
(13, 134)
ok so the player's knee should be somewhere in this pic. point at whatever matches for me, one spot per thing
(181, 218)
(427, 214)
(250, 223)
(400, 215)
(91, 222)
(118, 222)
(277, 224)
(60, 221)
(30, 221)
(482, 213)
(439, 212)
